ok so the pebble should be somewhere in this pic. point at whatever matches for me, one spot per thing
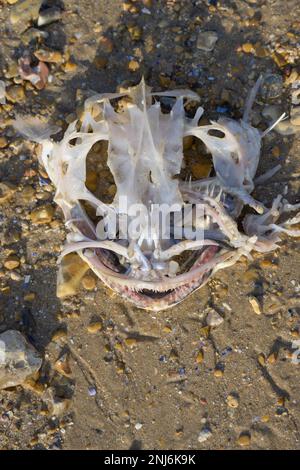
(92, 391)
(3, 142)
(255, 305)
(261, 359)
(23, 12)
(29, 297)
(292, 77)
(15, 94)
(244, 440)
(272, 358)
(271, 87)
(135, 32)
(199, 357)
(94, 327)
(133, 65)
(62, 365)
(138, 426)
(214, 319)
(42, 215)
(12, 262)
(71, 271)
(7, 190)
(88, 282)
(204, 434)
(130, 342)
(49, 15)
(206, 40)
(34, 386)
(18, 359)
(59, 335)
(247, 48)
(218, 373)
(49, 56)
(69, 67)
(232, 401)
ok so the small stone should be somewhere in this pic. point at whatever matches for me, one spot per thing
(15, 94)
(247, 48)
(294, 116)
(199, 357)
(59, 335)
(244, 440)
(204, 434)
(126, 6)
(289, 80)
(28, 193)
(206, 40)
(71, 271)
(213, 319)
(232, 401)
(7, 190)
(138, 426)
(49, 56)
(167, 329)
(261, 359)
(42, 215)
(69, 67)
(12, 262)
(88, 282)
(49, 15)
(62, 365)
(286, 128)
(279, 59)
(34, 386)
(92, 391)
(24, 12)
(281, 401)
(272, 358)
(29, 297)
(255, 305)
(135, 32)
(18, 359)
(130, 342)
(3, 142)
(271, 87)
(94, 327)
(218, 373)
(133, 65)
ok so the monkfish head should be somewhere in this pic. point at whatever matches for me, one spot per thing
(160, 238)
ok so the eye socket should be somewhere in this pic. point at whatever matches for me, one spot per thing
(216, 133)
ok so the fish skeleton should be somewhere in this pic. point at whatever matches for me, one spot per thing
(158, 264)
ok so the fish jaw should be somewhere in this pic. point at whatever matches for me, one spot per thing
(159, 295)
